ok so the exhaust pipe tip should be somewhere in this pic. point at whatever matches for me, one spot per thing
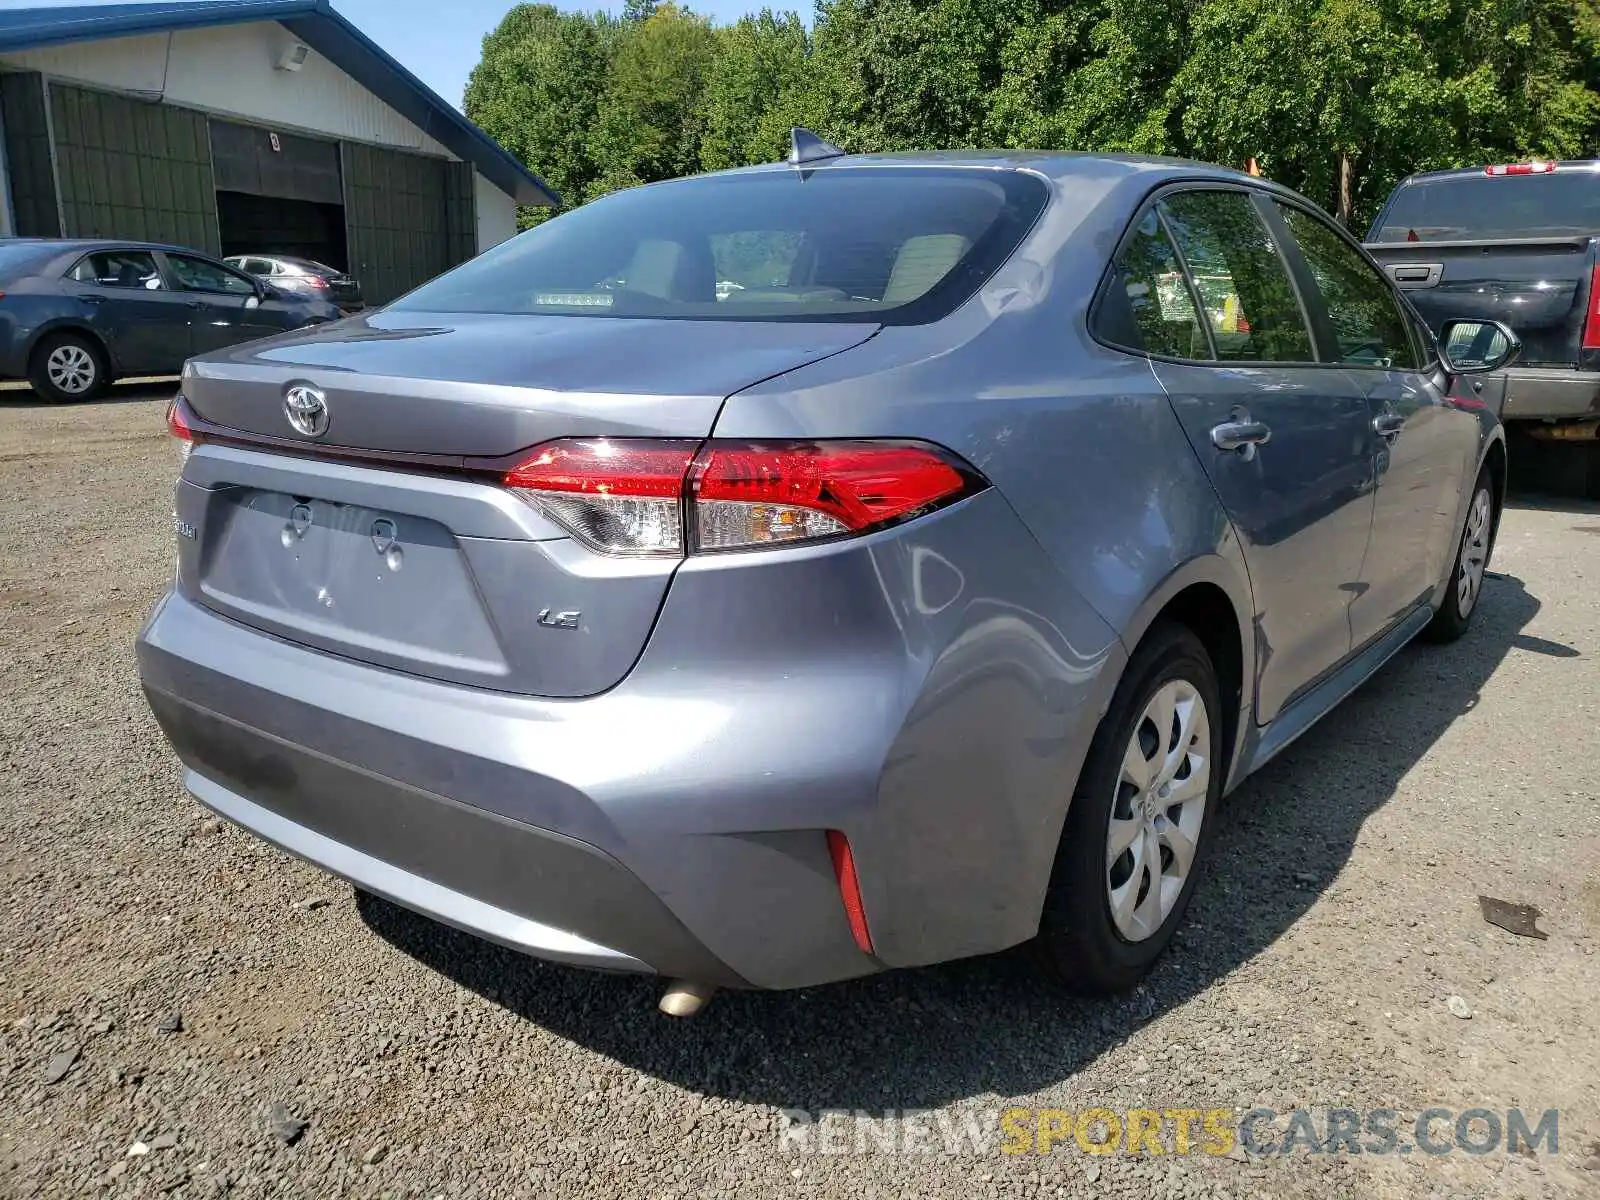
(684, 998)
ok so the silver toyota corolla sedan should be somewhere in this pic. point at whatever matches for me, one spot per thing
(778, 576)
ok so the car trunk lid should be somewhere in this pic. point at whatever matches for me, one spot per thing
(389, 538)
(489, 385)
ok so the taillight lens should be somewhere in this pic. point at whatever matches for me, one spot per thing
(1591, 322)
(179, 428)
(1524, 168)
(617, 496)
(626, 496)
(757, 495)
(318, 282)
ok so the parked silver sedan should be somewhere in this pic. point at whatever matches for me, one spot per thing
(303, 276)
(917, 597)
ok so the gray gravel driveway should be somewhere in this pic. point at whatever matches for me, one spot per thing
(185, 1011)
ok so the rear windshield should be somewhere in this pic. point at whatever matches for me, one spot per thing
(898, 245)
(1560, 204)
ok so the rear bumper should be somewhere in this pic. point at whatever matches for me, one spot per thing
(526, 888)
(677, 823)
(452, 905)
(1550, 394)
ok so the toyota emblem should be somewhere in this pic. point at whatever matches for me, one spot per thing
(307, 410)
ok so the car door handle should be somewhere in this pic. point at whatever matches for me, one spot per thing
(88, 297)
(1388, 425)
(1243, 436)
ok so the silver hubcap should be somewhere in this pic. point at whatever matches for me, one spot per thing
(1474, 554)
(71, 368)
(1158, 809)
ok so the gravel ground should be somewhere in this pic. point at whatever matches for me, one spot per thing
(195, 995)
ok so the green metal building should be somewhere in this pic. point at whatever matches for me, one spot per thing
(244, 126)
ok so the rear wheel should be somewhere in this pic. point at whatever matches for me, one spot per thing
(68, 367)
(1472, 561)
(1137, 827)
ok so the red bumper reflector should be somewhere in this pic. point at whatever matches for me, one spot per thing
(844, 870)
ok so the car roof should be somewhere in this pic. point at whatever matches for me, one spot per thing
(85, 245)
(1060, 165)
(1063, 168)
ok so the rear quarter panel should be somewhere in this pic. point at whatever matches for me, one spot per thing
(1082, 444)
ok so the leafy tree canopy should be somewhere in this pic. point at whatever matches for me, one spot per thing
(1338, 98)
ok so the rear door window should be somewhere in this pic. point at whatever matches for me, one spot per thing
(901, 245)
(1149, 278)
(1367, 319)
(1246, 294)
(132, 269)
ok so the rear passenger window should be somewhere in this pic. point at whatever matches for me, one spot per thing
(1245, 291)
(1150, 276)
(119, 269)
(1366, 315)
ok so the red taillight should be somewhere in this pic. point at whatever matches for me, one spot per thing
(317, 281)
(177, 426)
(1591, 322)
(1527, 168)
(844, 871)
(630, 497)
(622, 497)
(755, 495)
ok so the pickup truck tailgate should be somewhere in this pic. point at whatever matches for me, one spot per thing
(1539, 286)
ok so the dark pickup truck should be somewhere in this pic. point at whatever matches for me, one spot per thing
(1514, 243)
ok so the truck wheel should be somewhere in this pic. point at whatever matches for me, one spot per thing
(67, 367)
(1461, 597)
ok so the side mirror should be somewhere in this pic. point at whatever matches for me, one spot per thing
(1477, 347)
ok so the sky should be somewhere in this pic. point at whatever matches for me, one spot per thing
(440, 40)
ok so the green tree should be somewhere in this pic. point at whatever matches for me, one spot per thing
(1094, 77)
(536, 92)
(910, 74)
(755, 90)
(650, 118)
(1342, 98)
(1339, 98)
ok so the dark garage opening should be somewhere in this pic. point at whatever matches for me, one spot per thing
(270, 225)
(278, 193)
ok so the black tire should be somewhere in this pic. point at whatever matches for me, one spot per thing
(68, 367)
(1471, 561)
(1079, 939)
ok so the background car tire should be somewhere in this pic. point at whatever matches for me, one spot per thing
(1079, 939)
(1470, 565)
(67, 367)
